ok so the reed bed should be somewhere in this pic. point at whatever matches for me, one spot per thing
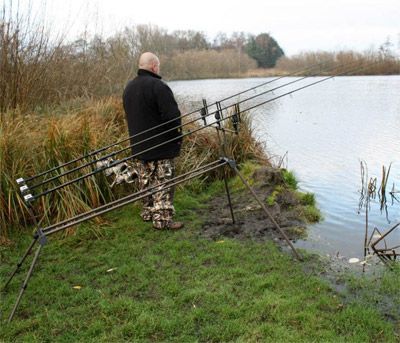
(33, 142)
(377, 62)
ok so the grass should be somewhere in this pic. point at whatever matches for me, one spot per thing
(307, 199)
(311, 214)
(385, 291)
(46, 138)
(37, 142)
(271, 199)
(289, 179)
(167, 286)
(305, 203)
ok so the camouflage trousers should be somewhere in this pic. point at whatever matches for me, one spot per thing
(157, 207)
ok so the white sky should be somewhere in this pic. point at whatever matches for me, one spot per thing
(296, 25)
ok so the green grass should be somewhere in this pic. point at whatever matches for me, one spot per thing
(290, 179)
(271, 199)
(310, 213)
(307, 206)
(307, 199)
(379, 288)
(176, 286)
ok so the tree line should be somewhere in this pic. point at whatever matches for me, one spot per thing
(37, 69)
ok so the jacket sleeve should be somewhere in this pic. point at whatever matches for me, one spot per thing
(167, 106)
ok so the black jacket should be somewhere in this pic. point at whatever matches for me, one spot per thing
(149, 102)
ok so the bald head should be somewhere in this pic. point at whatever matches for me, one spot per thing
(149, 61)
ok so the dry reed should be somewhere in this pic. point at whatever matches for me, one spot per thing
(31, 143)
(381, 62)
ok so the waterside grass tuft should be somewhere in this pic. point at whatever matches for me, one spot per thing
(304, 203)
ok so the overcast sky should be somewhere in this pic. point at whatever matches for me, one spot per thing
(301, 25)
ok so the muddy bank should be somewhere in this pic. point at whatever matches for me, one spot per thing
(288, 207)
(285, 204)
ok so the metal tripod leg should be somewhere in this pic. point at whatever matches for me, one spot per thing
(20, 264)
(228, 194)
(33, 217)
(25, 283)
(222, 144)
(233, 166)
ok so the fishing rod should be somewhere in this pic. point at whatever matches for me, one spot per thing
(40, 235)
(31, 197)
(132, 197)
(152, 137)
(95, 152)
(105, 157)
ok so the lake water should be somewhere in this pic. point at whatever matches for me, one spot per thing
(326, 130)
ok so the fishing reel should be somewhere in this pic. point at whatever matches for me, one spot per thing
(122, 172)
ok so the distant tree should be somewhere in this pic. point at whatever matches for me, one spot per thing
(386, 49)
(237, 40)
(189, 40)
(220, 41)
(264, 49)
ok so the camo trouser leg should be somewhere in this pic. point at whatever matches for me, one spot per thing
(157, 207)
(145, 171)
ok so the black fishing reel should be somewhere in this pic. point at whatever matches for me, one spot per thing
(235, 118)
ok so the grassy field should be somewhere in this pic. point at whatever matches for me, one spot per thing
(133, 283)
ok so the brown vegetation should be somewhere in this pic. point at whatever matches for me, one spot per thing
(38, 69)
(41, 72)
(194, 64)
(31, 143)
(380, 62)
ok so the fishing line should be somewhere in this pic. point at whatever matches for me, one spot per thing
(93, 153)
(164, 132)
(33, 197)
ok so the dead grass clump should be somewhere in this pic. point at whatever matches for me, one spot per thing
(35, 142)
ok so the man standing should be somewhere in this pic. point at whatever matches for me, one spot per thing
(154, 122)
